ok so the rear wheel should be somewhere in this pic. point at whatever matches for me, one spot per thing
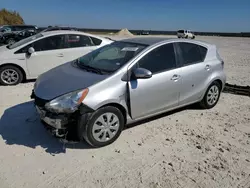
(211, 96)
(10, 75)
(102, 128)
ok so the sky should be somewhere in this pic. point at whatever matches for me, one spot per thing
(169, 15)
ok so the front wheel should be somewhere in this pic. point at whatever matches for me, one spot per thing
(10, 75)
(211, 96)
(102, 128)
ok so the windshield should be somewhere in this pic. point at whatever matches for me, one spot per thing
(110, 57)
(24, 41)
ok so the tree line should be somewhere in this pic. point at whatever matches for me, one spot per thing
(8, 17)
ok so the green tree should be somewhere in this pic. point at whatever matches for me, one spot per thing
(8, 17)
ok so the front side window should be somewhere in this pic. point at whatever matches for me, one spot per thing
(111, 57)
(55, 42)
(76, 41)
(192, 53)
(160, 59)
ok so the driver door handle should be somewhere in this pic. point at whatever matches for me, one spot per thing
(175, 77)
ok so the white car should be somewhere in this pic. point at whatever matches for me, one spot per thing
(30, 57)
(185, 34)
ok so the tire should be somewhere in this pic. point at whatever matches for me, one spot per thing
(193, 37)
(87, 122)
(5, 74)
(10, 41)
(204, 103)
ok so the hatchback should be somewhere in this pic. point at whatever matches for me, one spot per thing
(32, 56)
(127, 81)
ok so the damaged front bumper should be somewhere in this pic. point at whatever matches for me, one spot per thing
(58, 121)
(58, 124)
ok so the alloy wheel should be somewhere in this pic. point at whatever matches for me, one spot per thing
(9, 76)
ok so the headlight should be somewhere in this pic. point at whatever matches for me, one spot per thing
(67, 103)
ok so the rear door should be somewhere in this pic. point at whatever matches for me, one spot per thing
(161, 91)
(77, 46)
(194, 71)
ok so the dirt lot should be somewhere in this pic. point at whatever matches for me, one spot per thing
(187, 148)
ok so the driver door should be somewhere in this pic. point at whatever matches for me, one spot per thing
(49, 53)
(162, 90)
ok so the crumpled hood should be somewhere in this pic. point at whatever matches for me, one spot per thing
(64, 79)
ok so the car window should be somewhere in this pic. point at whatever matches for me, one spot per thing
(75, 41)
(24, 41)
(96, 41)
(191, 53)
(159, 59)
(50, 43)
(111, 57)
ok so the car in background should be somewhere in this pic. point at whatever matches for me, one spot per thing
(56, 28)
(12, 37)
(185, 34)
(143, 33)
(32, 56)
(127, 81)
(16, 28)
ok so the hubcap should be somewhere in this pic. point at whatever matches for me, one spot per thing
(105, 127)
(9, 76)
(213, 95)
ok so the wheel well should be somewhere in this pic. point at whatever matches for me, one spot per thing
(14, 65)
(121, 108)
(219, 81)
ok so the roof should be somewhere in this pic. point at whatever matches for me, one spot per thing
(154, 40)
(146, 40)
(56, 32)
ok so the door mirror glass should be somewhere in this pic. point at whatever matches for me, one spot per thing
(31, 50)
(142, 73)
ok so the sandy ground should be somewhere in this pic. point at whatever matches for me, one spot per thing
(186, 148)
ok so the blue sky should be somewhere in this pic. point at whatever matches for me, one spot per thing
(197, 15)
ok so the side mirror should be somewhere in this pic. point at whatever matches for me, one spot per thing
(31, 50)
(142, 73)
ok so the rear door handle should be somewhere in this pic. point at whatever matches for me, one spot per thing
(208, 67)
(59, 55)
(175, 77)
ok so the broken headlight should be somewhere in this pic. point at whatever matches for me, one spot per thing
(67, 103)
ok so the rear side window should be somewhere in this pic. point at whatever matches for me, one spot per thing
(75, 41)
(203, 52)
(192, 53)
(181, 31)
(159, 59)
(96, 41)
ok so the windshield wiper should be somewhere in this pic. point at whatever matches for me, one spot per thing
(89, 68)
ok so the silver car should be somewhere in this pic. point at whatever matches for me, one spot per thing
(126, 81)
